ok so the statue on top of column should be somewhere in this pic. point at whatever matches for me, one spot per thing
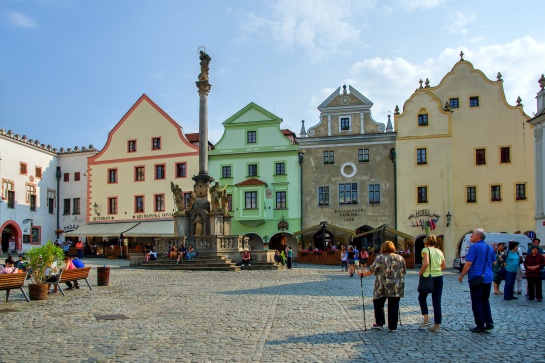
(205, 61)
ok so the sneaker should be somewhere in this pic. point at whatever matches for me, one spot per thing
(489, 327)
(375, 326)
(392, 330)
(424, 324)
(476, 330)
(434, 328)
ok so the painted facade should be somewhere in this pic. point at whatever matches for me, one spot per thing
(348, 173)
(30, 213)
(539, 124)
(130, 179)
(258, 164)
(463, 150)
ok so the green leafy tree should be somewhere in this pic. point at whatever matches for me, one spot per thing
(40, 258)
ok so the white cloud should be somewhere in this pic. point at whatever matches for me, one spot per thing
(21, 20)
(317, 26)
(458, 22)
(411, 5)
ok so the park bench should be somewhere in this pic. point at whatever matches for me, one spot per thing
(13, 281)
(72, 275)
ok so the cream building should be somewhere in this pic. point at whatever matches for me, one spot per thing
(129, 181)
(464, 154)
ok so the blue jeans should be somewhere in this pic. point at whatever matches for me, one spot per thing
(80, 254)
(480, 305)
(435, 298)
(510, 279)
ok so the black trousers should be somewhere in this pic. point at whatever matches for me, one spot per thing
(289, 262)
(535, 289)
(393, 310)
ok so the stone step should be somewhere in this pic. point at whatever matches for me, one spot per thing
(191, 267)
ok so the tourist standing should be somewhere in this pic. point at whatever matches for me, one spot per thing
(533, 263)
(350, 261)
(344, 258)
(500, 256)
(79, 249)
(478, 266)
(290, 256)
(512, 264)
(389, 269)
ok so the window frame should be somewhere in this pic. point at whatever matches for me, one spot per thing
(520, 192)
(226, 171)
(351, 192)
(10, 201)
(159, 199)
(38, 172)
(131, 146)
(422, 194)
(347, 120)
(156, 143)
(283, 202)
(251, 137)
(23, 168)
(480, 160)
(251, 203)
(495, 195)
(329, 156)
(373, 193)
(110, 176)
(454, 102)
(474, 101)
(77, 176)
(363, 155)
(250, 169)
(137, 174)
(112, 205)
(505, 155)
(67, 206)
(76, 206)
(423, 119)
(156, 174)
(32, 202)
(280, 166)
(421, 156)
(470, 193)
(181, 166)
(137, 199)
(66, 177)
(323, 195)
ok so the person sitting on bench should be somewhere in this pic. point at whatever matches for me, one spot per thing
(9, 268)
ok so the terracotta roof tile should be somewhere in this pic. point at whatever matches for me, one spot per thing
(252, 181)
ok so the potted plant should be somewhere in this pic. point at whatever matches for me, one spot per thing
(39, 260)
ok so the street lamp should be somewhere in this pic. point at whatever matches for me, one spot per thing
(95, 209)
(449, 218)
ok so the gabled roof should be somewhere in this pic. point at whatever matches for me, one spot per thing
(250, 182)
(252, 113)
(365, 102)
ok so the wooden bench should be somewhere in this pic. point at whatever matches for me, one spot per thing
(13, 281)
(72, 275)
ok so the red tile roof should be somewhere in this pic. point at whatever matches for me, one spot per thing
(252, 181)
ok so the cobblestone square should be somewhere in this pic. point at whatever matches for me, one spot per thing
(307, 314)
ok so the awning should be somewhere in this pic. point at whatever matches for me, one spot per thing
(101, 229)
(152, 229)
(387, 229)
(327, 226)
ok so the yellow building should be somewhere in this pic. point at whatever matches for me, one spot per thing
(129, 180)
(464, 154)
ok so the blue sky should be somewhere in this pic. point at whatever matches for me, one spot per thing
(70, 69)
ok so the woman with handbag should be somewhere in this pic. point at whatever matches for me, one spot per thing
(511, 264)
(433, 262)
(498, 269)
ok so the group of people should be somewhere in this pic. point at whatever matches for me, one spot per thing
(53, 273)
(351, 258)
(174, 253)
(284, 256)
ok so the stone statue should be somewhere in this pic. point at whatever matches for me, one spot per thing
(224, 201)
(205, 61)
(190, 200)
(198, 225)
(215, 196)
(178, 198)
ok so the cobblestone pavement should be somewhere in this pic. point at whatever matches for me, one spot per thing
(307, 314)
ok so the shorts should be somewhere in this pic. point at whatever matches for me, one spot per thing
(350, 261)
(364, 261)
(357, 262)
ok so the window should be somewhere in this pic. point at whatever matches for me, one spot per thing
(33, 202)
(11, 199)
(345, 123)
(363, 155)
(51, 205)
(520, 191)
(226, 171)
(30, 191)
(505, 154)
(230, 202)
(66, 209)
(329, 157)
(139, 204)
(280, 200)
(38, 172)
(66, 177)
(323, 195)
(159, 202)
(423, 119)
(160, 171)
(280, 168)
(422, 194)
(480, 157)
(473, 101)
(138, 173)
(22, 168)
(348, 193)
(252, 170)
(112, 205)
(76, 176)
(251, 200)
(131, 146)
(251, 137)
(421, 156)
(453, 103)
(156, 143)
(495, 193)
(36, 235)
(181, 170)
(76, 206)
(374, 193)
(112, 176)
(471, 195)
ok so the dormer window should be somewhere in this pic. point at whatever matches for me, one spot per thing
(423, 119)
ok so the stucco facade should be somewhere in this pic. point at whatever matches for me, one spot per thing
(463, 150)
(258, 165)
(348, 173)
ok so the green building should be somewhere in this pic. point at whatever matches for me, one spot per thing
(258, 164)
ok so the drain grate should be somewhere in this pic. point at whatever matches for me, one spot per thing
(111, 317)
(7, 310)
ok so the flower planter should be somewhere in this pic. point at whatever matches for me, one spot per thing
(38, 291)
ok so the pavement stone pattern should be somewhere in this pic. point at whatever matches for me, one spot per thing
(307, 314)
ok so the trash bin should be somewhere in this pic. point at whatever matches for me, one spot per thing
(103, 276)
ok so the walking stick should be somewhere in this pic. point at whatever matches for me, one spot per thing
(363, 302)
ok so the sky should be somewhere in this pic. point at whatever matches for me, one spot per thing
(71, 69)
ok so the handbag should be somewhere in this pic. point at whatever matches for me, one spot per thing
(501, 273)
(425, 284)
(479, 280)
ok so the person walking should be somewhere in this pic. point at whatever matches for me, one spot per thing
(511, 264)
(433, 262)
(350, 260)
(344, 258)
(533, 263)
(478, 267)
(79, 249)
(389, 270)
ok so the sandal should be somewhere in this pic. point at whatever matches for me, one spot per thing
(498, 293)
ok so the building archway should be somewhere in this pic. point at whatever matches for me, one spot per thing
(255, 242)
(418, 246)
(280, 241)
(11, 232)
(364, 241)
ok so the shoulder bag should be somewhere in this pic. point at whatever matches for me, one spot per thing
(479, 280)
(425, 284)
